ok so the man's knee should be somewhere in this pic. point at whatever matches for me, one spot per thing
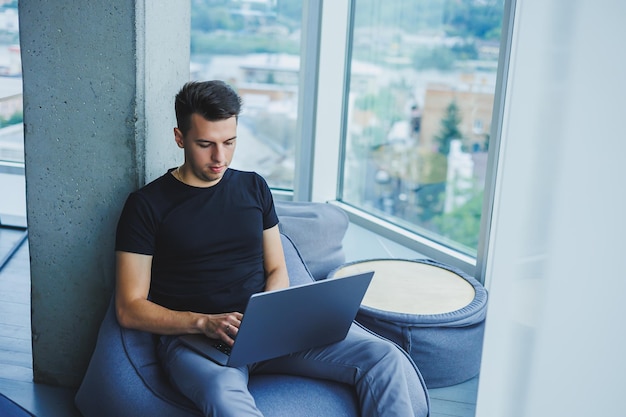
(385, 355)
(225, 395)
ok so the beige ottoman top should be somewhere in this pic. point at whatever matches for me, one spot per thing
(409, 287)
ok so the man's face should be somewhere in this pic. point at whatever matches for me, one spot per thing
(209, 149)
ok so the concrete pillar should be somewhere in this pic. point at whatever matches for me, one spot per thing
(99, 81)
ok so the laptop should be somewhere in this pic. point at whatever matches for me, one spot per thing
(280, 322)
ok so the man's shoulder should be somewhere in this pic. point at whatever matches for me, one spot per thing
(155, 193)
(250, 183)
(247, 176)
(155, 186)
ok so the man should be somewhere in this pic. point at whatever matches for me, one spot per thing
(194, 244)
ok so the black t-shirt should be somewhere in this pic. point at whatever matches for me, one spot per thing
(206, 243)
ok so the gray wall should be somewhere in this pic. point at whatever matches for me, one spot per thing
(99, 81)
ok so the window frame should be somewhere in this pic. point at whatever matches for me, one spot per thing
(307, 108)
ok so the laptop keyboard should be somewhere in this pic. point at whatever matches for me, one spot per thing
(222, 347)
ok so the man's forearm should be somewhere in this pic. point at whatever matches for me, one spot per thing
(150, 317)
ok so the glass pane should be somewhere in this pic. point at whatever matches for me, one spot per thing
(12, 182)
(254, 46)
(11, 112)
(421, 93)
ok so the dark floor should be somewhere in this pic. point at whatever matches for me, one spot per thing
(45, 401)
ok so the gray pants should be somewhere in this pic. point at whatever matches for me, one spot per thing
(374, 367)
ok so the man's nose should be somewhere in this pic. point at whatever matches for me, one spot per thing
(218, 154)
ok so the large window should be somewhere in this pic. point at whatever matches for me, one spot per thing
(422, 77)
(255, 46)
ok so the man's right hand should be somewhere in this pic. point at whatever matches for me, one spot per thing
(223, 326)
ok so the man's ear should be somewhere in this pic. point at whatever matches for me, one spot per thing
(178, 137)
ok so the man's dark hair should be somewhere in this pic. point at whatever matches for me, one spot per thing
(214, 100)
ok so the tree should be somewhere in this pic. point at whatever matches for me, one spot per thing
(449, 128)
(440, 58)
(210, 18)
(290, 10)
(14, 119)
(462, 224)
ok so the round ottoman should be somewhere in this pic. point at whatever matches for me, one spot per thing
(433, 311)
